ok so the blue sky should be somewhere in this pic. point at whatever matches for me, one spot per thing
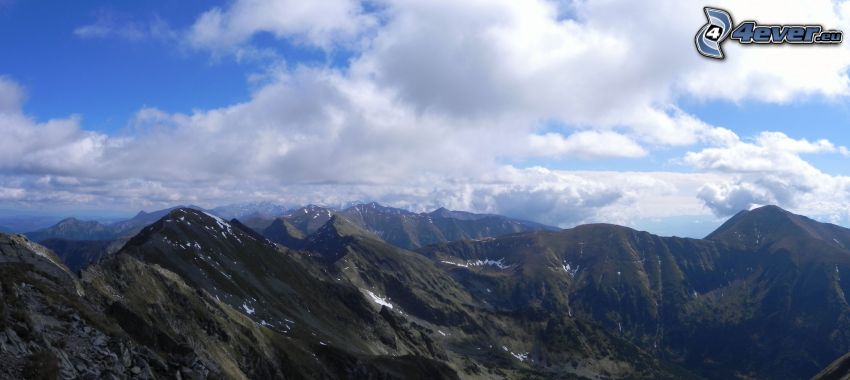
(481, 106)
(108, 80)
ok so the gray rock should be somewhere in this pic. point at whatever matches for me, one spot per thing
(100, 341)
(126, 358)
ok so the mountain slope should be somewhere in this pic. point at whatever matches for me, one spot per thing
(78, 254)
(359, 304)
(543, 344)
(399, 227)
(246, 271)
(75, 229)
(51, 328)
(762, 297)
(837, 370)
(131, 318)
(746, 302)
(770, 227)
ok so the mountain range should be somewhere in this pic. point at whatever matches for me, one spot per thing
(75, 229)
(376, 292)
(84, 241)
(398, 227)
(25, 223)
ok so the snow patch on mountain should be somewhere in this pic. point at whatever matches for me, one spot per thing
(379, 300)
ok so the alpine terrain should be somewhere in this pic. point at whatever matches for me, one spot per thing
(382, 293)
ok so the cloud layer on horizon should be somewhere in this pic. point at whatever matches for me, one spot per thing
(438, 98)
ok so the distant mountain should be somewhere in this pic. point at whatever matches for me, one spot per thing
(399, 227)
(760, 297)
(421, 290)
(195, 294)
(129, 318)
(283, 232)
(80, 243)
(78, 254)
(20, 224)
(75, 229)
(250, 274)
(72, 228)
(773, 228)
(309, 219)
(242, 211)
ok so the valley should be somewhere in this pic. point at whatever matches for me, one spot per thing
(376, 292)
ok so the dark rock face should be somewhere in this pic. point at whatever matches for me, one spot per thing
(75, 229)
(194, 296)
(47, 327)
(838, 370)
(761, 297)
(78, 254)
(201, 297)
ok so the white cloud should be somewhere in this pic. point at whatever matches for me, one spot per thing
(437, 96)
(521, 60)
(586, 144)
(11, 95)
(771, 170)
(110, 24)
(55, 146)
(554, 197)
(317, 23)
(769, 152)
(778, 73)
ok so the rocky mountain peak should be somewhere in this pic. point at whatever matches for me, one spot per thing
(337, 227)
(768, 225)
(18, 249)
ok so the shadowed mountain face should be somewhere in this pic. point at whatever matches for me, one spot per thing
(398, 227)
(760, 297)
(80, 242)
(205, 297)
(132, 317)
(838, 370)
(78, 254)
(75, 229)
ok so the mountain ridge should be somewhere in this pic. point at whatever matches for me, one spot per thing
(664, 293)
(760, 297)
(399, 227)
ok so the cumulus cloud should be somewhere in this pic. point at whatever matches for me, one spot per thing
(54, 146)
(437, 96)
(586, 144)
(523, 60)
(778, 74)
(263, 149)
(771, 170)
(322, 24)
